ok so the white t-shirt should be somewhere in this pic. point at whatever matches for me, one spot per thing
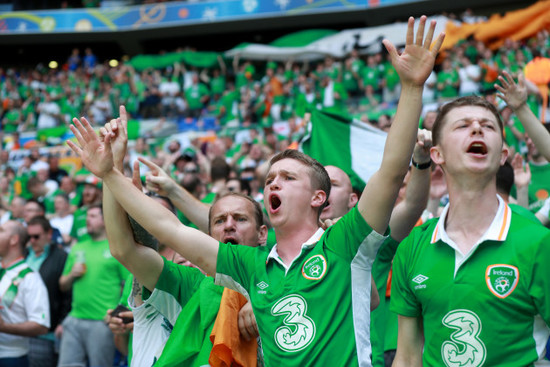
(64, 224)
(153, 324)
(31, 303)
(468, 75)
(46, 118)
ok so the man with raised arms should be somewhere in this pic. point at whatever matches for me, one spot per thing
(310, 293)
(470, 288)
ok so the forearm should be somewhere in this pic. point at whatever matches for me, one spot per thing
(121, 343)
(117, 225)
(402, 135)
(380, 193)
(406, 214)
(522, 196)
(195, 210)
(28, 328)
(535, 129)
(190, 243)
(66, 282)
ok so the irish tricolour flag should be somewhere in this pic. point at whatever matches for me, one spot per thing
(347, 143)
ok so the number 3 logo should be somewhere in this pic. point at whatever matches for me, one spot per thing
(298, 330)
(465, 348)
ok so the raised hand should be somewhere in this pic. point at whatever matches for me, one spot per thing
(515, 95)
(117, 129)
(416, 62)
(522, 175)
(421, 152)
(96, 154)
(158, 180)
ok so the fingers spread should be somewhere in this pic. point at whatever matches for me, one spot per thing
(420, 31)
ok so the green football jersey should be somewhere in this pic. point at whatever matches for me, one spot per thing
(199, 300)
(490, 307)
(99, 288)
(316, 311)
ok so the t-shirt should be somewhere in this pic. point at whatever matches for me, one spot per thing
(79, 230)
(154, 320)
(489, 307)
(539, 188)
(99, 288)
(316, 311)
(197, 304)
(194, 94)
(24, 297)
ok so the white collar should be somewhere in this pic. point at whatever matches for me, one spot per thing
(497, 231)
(310, 243)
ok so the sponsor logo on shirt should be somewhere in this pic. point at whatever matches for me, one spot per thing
(419, 279)
(262, 285)
(298, 329)
(315, 267)
(502, 279)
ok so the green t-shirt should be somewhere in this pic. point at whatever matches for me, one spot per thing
(193, 95)
(100, 287)
(217, 85)
(316, 312)
(539, 186)
(79, 231)
(370, 76)
(446, 80)
(189, 343)
(490, 307)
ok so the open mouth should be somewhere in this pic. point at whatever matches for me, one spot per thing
(230, 240)
(477, 148)
(275, 202)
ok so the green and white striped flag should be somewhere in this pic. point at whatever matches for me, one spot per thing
(349, 144)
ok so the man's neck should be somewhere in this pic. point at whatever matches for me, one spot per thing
(11, 259)
(470, 215)
(98, 237)
(289, 242)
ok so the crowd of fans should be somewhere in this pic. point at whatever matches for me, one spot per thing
(245, 99)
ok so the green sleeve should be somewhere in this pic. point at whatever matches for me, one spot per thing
(403, 300)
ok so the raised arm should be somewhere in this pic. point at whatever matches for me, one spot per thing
(414, 66)
(143, 262)
(97, 155)
(515, 95)
(160, 182)
(406, 213)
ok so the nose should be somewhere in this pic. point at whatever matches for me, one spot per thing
(274, 185)
(229, 223)
(476, 126)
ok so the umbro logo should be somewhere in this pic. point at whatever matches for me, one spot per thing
(262, 285)
(419, 279)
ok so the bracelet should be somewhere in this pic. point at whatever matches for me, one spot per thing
(422, 166)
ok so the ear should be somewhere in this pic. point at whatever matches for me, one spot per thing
(504, 154)
(437, 155)
(353, 199)
(14, 240)
(318, 198)
(262, 235)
